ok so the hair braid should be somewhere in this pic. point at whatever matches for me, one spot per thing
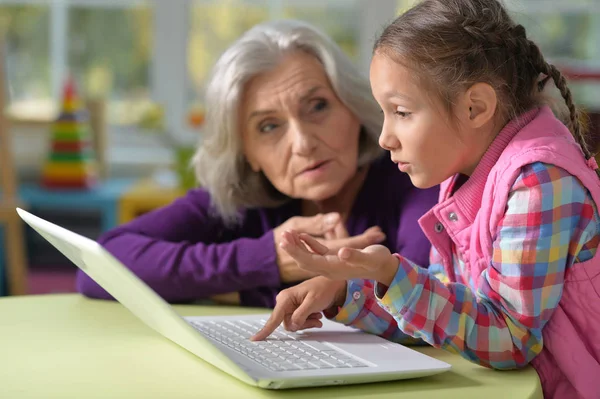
(575, 118)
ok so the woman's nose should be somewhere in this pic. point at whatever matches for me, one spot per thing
(303, 138)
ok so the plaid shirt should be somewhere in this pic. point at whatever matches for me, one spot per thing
(551, 222)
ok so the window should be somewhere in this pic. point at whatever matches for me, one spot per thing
(104, 44)
(110, 45)
(112, 49)
(150, 58)
(404, 5)
(216, 24)
(109, 53)
(566, 32)
(342, 29)
(27, 51)
(567, 35)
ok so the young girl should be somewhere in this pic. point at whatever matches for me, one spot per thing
(514, 276)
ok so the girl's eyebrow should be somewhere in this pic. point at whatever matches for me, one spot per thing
(397, 94)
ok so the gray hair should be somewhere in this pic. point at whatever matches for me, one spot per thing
(220, 165)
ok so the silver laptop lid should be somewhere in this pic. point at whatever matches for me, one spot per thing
(131, 292)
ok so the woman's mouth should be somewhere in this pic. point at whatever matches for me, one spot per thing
(315, 169)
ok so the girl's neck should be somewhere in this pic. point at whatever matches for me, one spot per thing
(342, 202)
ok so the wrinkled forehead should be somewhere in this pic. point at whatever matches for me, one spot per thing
(293, 80)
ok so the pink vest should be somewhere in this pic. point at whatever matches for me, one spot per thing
(569, 364)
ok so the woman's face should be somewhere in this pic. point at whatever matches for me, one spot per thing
(297, 131)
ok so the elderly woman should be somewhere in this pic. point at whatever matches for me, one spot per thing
(290, 142)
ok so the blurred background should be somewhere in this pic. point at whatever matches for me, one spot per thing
(139, 68)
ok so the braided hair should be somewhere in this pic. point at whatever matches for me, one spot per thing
(452, 44)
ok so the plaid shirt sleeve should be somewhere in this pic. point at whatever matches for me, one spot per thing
(550, 223)
(362, 310)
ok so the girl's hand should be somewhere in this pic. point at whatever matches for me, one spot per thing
(300, 307)
(329, 226)
(375, 262)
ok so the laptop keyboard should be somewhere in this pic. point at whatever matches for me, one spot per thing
(282, 351)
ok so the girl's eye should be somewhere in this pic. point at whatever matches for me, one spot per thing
(401, 114)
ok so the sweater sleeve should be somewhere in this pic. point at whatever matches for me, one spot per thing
(179, 251)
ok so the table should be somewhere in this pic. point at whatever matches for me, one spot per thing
(67, 346)
(145, 196)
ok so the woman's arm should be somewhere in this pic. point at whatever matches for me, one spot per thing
(181, 252)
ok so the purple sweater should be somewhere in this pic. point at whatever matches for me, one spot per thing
(185, 253)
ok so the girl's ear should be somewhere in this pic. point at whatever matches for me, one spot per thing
(480, 102)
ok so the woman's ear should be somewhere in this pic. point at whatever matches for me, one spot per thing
(250, 157)
(254, 165)
(480, 102)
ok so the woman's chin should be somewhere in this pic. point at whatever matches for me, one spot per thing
(319, 192)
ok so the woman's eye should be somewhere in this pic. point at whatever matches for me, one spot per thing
(267, 127)
(319, 105)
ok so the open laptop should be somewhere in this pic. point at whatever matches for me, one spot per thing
(332, 355)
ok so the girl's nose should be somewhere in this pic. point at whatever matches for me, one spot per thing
(387, 140)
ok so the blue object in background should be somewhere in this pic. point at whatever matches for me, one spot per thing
(103, 198)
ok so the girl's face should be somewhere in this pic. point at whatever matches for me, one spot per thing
(422, 138)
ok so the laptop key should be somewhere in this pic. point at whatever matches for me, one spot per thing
(325, 365)
(317, 346)
(282, 351)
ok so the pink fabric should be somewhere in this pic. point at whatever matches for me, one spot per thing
(569, 364)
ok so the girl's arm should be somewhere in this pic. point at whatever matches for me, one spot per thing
(550, 223)
(361, 308)
(500, 325)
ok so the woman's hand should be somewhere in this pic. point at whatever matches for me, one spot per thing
(330, 228)
(300, 307)
(374, 262)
